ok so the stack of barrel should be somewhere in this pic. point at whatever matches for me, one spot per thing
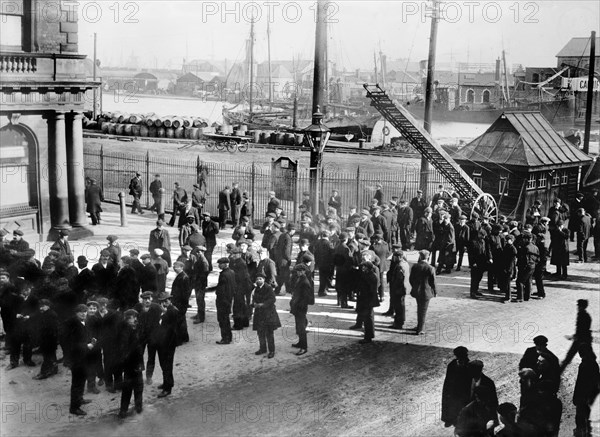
(151, 125)
(277, 137)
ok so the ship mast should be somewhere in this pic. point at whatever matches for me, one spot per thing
(590, 95)
(251, 65)
(506, 78)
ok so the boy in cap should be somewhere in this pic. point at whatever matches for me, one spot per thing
(93, 323)
(48, 339)
(507, 264)
(61, 245)
(132, 357)
(162, 270)
(224, 298)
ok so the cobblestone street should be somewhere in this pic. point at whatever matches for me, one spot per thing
(391, 387)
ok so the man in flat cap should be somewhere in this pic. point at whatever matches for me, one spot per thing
(165, 339)
(210, 229)
(160, 239)
(93, 200)
(456, 393)
(148, 275)
(583, 332)
(272, 203)
(48, 339)
(235, 200)
(179, 198)
(136, 190)
(18, 244)
(81, 344)
(114, 249)
(132, 359)
(306, 202)
(423, 287)
(224, 299)
(198, 198)
(186, 210)
(224, 206)
(148, 321)
(531, 355)
(181, 290)
(155, 187)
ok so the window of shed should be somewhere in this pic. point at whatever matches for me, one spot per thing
(565, 178)
(542, 181)
(531, 181)
(556, 178)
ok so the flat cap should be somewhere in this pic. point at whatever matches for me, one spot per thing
(205, 214)
(64, 232)
(223, 260)
(186, 247)
(4, 272)
(18, 232)
(396, 246)
(112, 238)
(44, 303)
(81, 308)
(146, 294)
(130, 312)
(271, 214)
(271, 193)
(164, 296)
(158, 252)
(540, 339)
(201, 248)
(260, 275)
(134, 252)
(93, 303)
(145, 256)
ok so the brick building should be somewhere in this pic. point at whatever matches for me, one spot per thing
(43, 91)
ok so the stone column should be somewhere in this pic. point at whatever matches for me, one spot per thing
(57, 174)
(75, 171)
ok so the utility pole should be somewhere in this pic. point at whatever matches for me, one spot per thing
(590, 95)
(424, 177)
(506, 78)
(269, 60)
(94, 111)
(318, 103)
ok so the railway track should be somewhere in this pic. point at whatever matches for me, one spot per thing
(183, 143)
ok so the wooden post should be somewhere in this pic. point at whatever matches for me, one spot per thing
(296, 193)
(122, 209)
(148, 179)
(162, 202)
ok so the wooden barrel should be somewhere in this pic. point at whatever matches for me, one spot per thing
(112, 128)
(243, 127)
(188, 122)
(150, 121)
(144, 130)
(289, 139)
(179, 132)
(166, 121)
(136, 129)
(264, 137)
(128, 129)
(135, 118)
(299, 139)
(123, 118)
(161, 132)
(152, 131)
(194, 133)
(169, 132)
(198, 122)
(280, 139)
(120, 129)
(240, 133)
(176, 122)
(104, 127)
(273, 138)
(256, 136)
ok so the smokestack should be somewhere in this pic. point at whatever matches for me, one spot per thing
(497, 76)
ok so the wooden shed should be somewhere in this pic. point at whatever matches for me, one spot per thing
(520, 159)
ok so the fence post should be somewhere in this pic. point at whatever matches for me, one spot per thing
(197, 168)
(102, 168)
(162, 202)
(148, 179)
(358, 206)
(296, 192)
(122, 208)
(252, 184)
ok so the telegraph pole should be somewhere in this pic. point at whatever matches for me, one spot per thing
(424, 178)
(590, 95)
(94, 74)
(318, 103)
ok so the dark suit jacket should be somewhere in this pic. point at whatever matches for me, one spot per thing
(165, 335)
(224, 201)
(94, 198)
(422, 281)
(181, 289)
(78, 338)
(225, 291)
(159, 239)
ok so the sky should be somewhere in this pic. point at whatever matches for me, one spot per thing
(162, 33)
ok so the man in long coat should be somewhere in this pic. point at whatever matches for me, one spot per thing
(224, 299)
(224, 206)
(422, 281)
(456, 393)
(159, 239)
(265, 319)
(93, 200)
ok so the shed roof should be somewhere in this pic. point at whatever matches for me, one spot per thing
(577, 47)
(522, 139)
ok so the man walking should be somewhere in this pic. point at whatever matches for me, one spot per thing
(179, 198)
(235, 201)
(155, 187)
(136, 190)
(224, 206)
(93, 201)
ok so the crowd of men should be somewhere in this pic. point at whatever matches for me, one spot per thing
(107, 317)
(470, 402)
